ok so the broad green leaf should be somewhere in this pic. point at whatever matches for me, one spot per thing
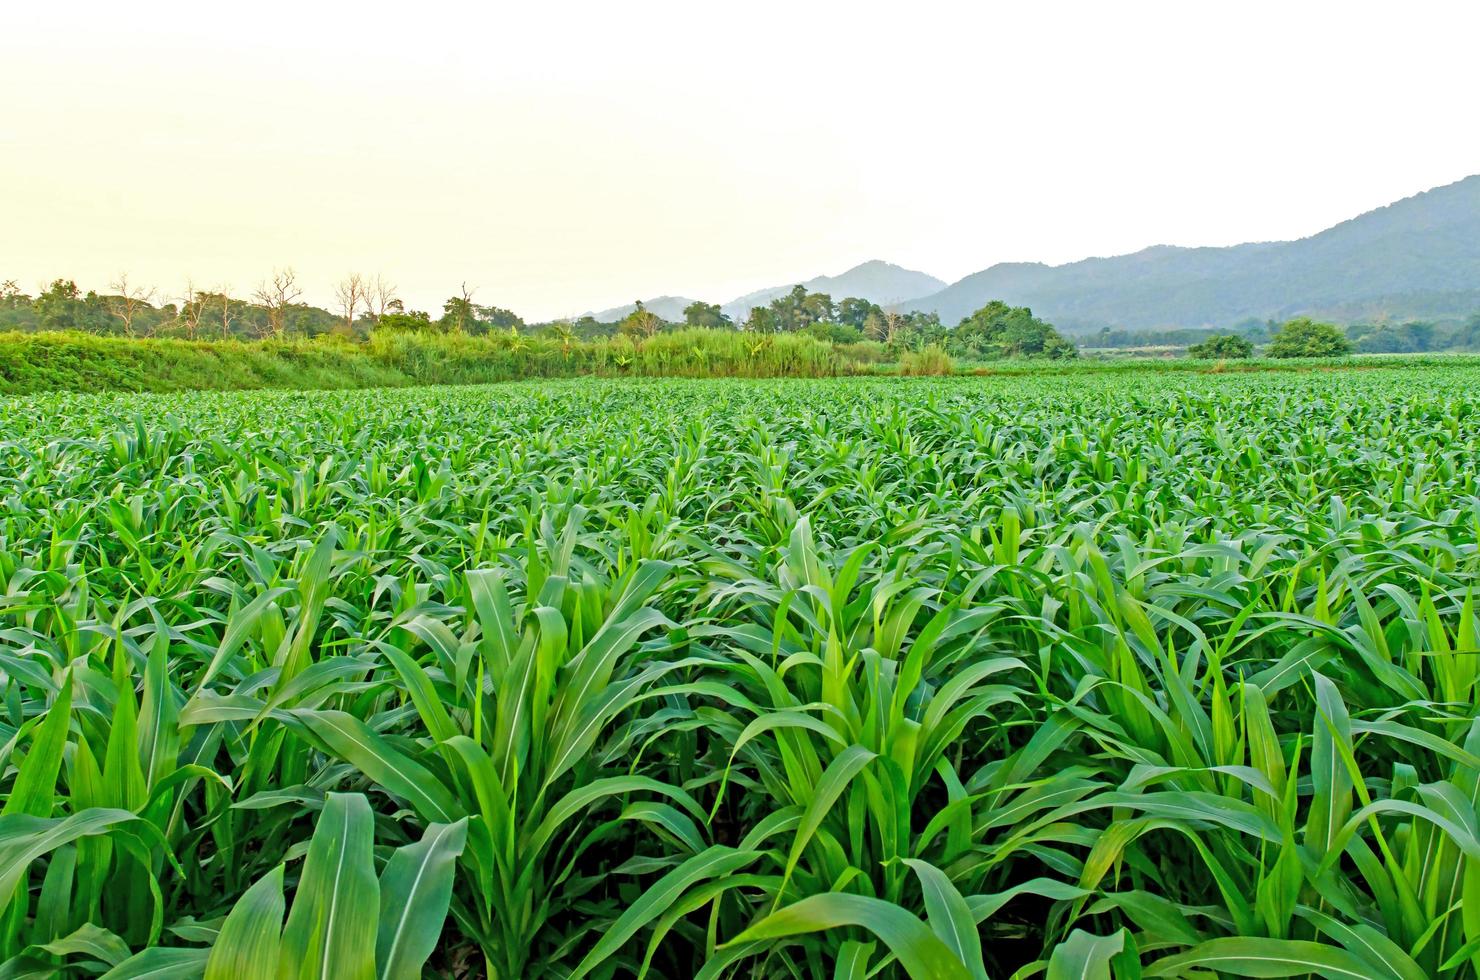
(250, 938)
(1240, 957)
(949, 916)
(331, 928)
(920, 951)
(415, 888)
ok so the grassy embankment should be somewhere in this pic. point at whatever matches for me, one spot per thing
(80, 362)
(33, 362)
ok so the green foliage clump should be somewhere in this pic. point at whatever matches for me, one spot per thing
(834, 333)
(999, 330)
(460, 315)
(1304, 337)
(1413, 337)
(414, 321)
(706, 316)
(1227, 346)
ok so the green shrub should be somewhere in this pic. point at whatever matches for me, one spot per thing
(1304, 337)
(1226, 346)
(931, 360)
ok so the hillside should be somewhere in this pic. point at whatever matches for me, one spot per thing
(1419, 257)
(669, 308)
(876, 281)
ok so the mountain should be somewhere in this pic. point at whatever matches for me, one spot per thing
(876, 281)
(668, 308)
(1419, 257)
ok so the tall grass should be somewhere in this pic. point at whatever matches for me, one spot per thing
(454, 359)
(83, 362)
(37, 362)
(931, 360)
(33, 362)
(1099, 675)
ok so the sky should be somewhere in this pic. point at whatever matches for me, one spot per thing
(564, 157)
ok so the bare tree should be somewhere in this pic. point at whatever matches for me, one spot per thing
(892, 324)
(351, 294)
(192, 309)
(380, 297)
(228, 311)
(128, 301)
(275, 296)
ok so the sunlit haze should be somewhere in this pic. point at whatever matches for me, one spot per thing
(566, 157)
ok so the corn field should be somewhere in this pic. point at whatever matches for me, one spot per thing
(1110, 676)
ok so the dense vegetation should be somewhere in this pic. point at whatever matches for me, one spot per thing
(80, 362)
(370, 307)
(1160, 674)
(62, 361)
(1404, 337)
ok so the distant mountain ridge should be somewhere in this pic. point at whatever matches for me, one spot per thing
(876, 281)
(668, 308)
(1416, 258)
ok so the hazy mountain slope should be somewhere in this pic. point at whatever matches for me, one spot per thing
(668, 308)
(1417, 257)
(876, 281)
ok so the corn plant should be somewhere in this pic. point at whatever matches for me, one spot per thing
(1066, 675)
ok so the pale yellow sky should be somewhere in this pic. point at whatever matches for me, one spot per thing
(565, 157)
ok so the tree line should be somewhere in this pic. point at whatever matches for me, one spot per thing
(1300, 337)
(365, 305)
(994, 331)
(274, 309)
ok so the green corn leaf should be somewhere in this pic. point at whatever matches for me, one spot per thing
(1083, 956)
(331, 928)
(160, 963)
(352, 740)
(1240, 957)
(35, 785)
(23, 838)
(919, 951)
(714, 862)
(415, 888)
(949, 916)
(250, 938)
(159, 736)
(1332, 800)
(834, 781)
(88, 940)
